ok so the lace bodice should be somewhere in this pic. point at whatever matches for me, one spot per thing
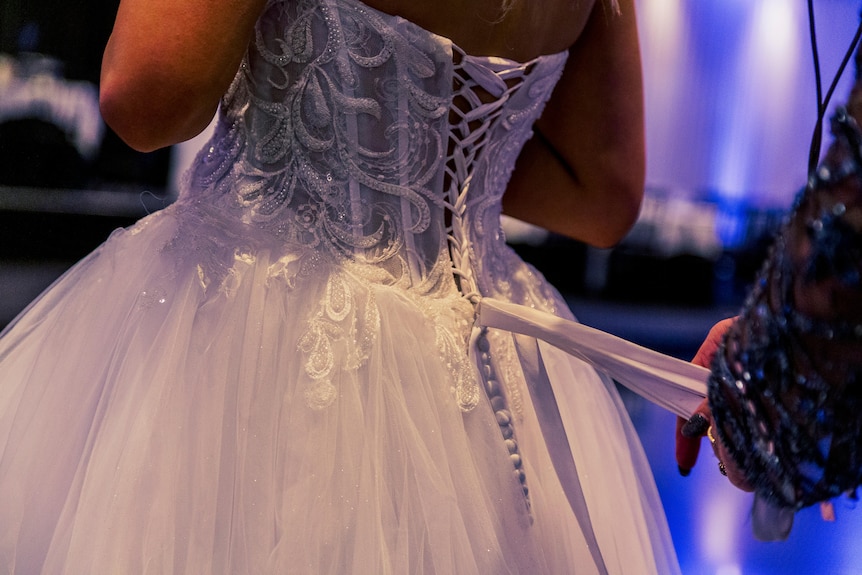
(359, 137)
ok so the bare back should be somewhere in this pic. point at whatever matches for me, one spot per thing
(483, 27)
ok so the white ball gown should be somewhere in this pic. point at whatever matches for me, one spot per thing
(281, 372)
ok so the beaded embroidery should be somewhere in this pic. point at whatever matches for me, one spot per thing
(335, 141)
(366, 154)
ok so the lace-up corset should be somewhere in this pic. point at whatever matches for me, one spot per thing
(363, 138)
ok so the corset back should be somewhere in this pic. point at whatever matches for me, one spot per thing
(363, 138)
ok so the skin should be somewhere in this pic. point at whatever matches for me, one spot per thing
(688, 448)
(168, 62)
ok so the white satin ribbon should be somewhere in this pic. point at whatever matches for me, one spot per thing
(675, 385)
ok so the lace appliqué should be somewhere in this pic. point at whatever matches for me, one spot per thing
(344, 328)
(331, 135)
(337, 320)
(452, 346)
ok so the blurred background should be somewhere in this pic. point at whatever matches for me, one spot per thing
(730, 101)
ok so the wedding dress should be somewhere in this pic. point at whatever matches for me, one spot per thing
(283, 371)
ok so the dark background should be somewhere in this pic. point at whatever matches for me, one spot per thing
(34, 153)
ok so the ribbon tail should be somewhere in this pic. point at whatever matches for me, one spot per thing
(554, 433)
(673, 384)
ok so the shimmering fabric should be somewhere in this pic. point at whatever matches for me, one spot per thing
(786, 385)
(274, 375)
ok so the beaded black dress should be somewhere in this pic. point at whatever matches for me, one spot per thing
(785, 390)
(281, 372)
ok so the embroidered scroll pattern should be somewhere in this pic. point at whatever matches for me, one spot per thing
(334, 141)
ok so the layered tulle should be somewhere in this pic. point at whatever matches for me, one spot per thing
(154, 420)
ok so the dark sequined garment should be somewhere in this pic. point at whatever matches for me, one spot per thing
(786, 386)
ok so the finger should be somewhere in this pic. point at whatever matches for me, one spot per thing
(688, 434)
(687, 449)
(696, 426)
(733, 473)
(710, 345)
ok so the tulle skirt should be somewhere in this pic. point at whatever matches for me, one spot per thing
(179, 403)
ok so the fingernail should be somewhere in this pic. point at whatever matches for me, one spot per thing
(683, 471)
(695, 427)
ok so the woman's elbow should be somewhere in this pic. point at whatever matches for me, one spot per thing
(620, 216)
(147, 117)
(124, 118)
(129, 114)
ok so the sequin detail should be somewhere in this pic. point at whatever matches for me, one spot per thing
(364, 154)
(786, 385)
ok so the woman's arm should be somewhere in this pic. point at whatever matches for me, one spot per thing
(582, 174)
(168, 62)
